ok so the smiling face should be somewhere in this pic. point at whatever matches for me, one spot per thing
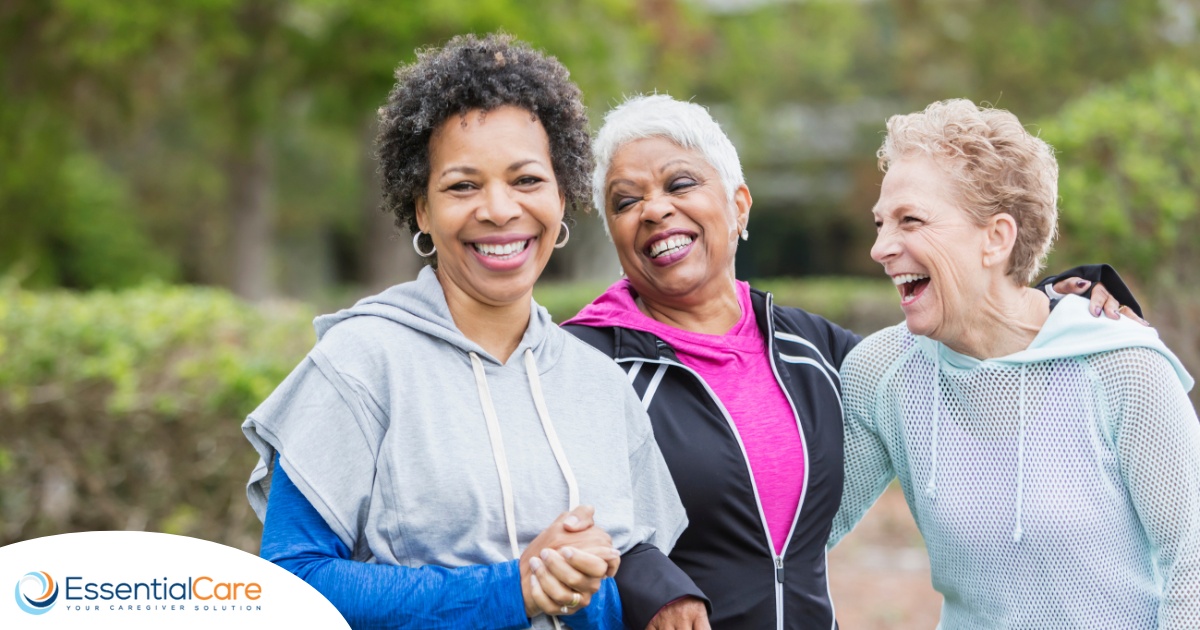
(671, 220)
(493, 206)
(930, 248)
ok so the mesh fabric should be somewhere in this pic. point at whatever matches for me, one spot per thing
(1060, 493)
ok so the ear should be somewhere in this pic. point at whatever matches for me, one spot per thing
(422, 214)
(1000, 234)
(742, 202)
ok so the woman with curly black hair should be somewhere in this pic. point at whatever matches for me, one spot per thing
(428, 463)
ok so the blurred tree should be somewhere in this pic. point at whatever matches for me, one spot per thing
(1130, 174)
(1129, 160)
(805, 87)
(65, 215)
(227, 130)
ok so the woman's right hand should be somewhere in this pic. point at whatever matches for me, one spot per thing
(569, 557)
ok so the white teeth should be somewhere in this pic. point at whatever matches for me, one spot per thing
(908, 277)
(670, 245)
(507, 249)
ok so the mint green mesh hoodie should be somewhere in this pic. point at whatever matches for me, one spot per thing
(1058, 487)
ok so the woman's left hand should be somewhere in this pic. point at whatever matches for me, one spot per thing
(562, 583)
(554, 584)
(1101, 301)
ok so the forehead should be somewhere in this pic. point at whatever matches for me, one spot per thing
(654, 154)
(915, 181)
(504, 129)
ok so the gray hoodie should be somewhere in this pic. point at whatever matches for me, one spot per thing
(384, 427)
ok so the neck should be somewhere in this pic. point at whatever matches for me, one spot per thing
(714, 313)
(496, 328)
(1004, 322)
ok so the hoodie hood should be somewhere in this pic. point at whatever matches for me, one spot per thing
(421, 306)
(1070, 331)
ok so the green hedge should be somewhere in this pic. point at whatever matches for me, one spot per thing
(122, 410)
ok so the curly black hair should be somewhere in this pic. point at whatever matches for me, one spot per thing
(483, 73)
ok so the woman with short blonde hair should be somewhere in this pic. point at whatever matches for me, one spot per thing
(1051, 459)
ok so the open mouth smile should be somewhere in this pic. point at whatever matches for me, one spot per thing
(669, 247)
(911, 286)
(501, 251)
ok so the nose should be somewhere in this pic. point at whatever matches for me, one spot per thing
(657, 208)
(499, 206)
(886, 246)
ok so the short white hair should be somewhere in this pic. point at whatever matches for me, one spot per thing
(659, 116)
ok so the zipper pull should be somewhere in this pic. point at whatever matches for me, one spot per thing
(779, 569)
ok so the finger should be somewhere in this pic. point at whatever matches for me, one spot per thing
(588, 564)
(579, 518)
(1128, 312)
(1108, 303)
(592, 537)
(1112, 308)
(609, 555)
(560, 592)
(1100, 296)
(1072, 286)
(571, 578)
(539, 597)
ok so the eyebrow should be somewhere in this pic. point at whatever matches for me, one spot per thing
(664, 167)
(470, 170)
(899, 207)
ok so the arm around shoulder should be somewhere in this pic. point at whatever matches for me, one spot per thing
(867, 466)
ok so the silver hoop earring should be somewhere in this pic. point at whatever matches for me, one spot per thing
(745, 234)
(566, 230)
(417, 247)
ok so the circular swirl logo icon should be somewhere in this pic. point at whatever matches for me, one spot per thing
(47, 593)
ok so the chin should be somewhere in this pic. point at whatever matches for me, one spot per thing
(920, 325)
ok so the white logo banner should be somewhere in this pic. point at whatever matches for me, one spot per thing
(132, 580)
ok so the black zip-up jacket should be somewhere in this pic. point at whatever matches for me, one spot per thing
(726, 550)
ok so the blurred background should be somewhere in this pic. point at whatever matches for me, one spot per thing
(184, 185)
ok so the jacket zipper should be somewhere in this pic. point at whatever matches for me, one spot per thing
(770, 311)
(777, 557)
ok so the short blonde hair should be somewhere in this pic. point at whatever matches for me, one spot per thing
(997, 166)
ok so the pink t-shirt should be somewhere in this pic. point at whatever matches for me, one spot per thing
(736, 367)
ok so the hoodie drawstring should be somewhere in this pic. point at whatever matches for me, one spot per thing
(539, 401)
(1017, 530)
(498, 452)
(931, 486)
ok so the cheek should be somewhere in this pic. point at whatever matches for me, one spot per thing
(623, 234)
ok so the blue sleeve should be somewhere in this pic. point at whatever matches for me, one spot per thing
(379, 596)
(603, 613)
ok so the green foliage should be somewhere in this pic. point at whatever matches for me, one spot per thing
(122, 409)
(69, 220)
(1130, 175)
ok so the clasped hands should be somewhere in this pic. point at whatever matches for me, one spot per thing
(563, 567)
